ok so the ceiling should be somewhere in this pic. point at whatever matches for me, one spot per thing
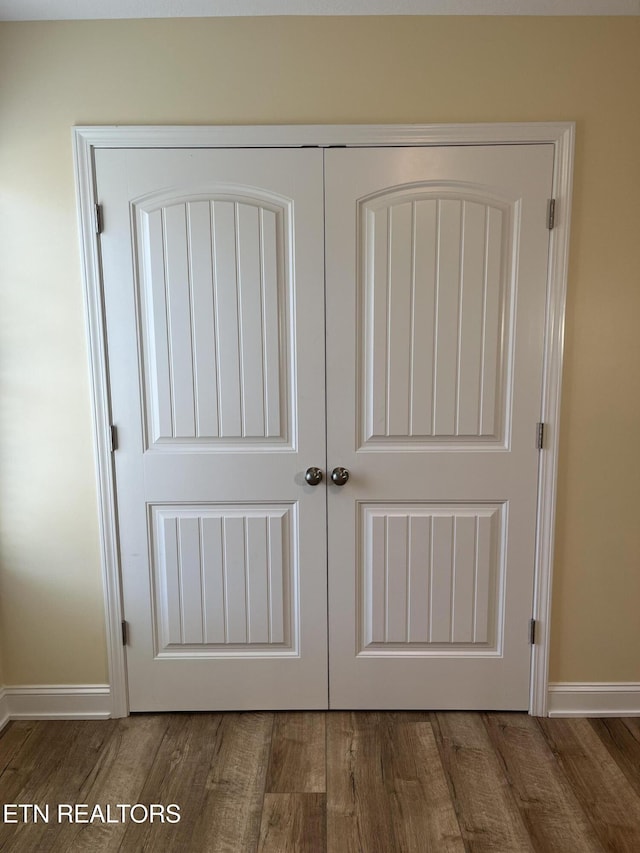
(52, 10)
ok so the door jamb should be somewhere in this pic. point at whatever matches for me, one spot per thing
(559, 134)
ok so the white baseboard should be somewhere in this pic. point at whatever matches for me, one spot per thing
(4, 709)
(594, 699)
(55, 702)
(93, 701)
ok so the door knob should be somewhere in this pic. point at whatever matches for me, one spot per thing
(313, 476)
(339, 476)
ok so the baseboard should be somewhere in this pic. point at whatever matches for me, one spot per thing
(93, 701)
(594, 699)
(4, 709)
(55, 702)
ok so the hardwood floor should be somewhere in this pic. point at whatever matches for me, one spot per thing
(308, 782)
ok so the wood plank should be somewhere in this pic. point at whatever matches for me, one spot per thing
(178, 776)
(212, 766)
(487, 813)
(297, 763)
(39, 758)
(357, 817)
(516, 783)
(622, 739)
(229, 820)
(386, 789)
(293, 823)
(67, 758)
(600, 785)
(12, 740)
(113, 775)
(423, 813)
(549, 808)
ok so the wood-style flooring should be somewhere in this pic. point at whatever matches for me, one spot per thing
(341, 782)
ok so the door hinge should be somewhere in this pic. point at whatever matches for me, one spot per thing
(551, 213)
(532, 631)
(99, 220)
(125, 632)
(539, 435)
(113, 438)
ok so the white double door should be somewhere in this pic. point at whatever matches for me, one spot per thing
(274, 310)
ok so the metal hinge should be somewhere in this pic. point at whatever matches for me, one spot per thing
(113, 438)
(125, 632)
(99, 220)
(551, 213)
(532, 631)
(539, 435)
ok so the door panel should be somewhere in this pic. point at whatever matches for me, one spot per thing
(222, 579)
(214, 285)
(434, 294)
(214, 293)
(436, 282)
(431, 576)
(213, 271)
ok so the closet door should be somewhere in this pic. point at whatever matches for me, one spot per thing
(436, 282)
(214, 302)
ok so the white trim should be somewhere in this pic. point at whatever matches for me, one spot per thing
(4, 708)
(56, 701)
(550, 416)
(323, 135)
(49, 10)
(595, 699)
(101, 425)
(558, 134)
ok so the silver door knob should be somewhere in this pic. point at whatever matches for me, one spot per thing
(339, 476)
(313, 476)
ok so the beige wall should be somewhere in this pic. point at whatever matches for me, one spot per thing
(308, 70)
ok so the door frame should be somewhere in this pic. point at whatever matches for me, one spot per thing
(87, 139)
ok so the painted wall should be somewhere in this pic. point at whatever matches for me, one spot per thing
(306, 70)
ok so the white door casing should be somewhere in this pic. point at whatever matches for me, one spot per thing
(216, 339)
(89, 141)
(436, 292)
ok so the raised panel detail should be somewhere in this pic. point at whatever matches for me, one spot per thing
(214, 299)
(223, 579)
(430, 578)
(435, 299)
